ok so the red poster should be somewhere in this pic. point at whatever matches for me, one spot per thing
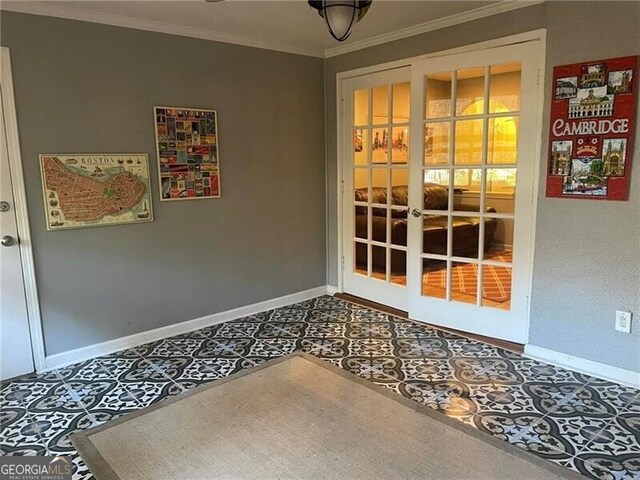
(592, 129)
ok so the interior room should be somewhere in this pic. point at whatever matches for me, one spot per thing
(328, 239)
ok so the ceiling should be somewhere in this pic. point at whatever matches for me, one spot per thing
(280, 25)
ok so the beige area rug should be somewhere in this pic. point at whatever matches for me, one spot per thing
(298, 417)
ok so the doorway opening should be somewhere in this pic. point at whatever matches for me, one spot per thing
(439, 160)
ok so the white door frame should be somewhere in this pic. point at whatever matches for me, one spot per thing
(22, 217)
(539, 36)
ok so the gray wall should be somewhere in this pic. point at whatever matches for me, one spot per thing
(83, 87)
(88, 87)
(587, 257)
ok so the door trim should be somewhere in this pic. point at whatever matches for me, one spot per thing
(535, 189)
(22, 217)
(539, 35)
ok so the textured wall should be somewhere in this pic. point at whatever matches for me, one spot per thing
(83, 87)
(587, 257)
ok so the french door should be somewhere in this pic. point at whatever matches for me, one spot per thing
(438, 188)
(375, 185)
(474, 142)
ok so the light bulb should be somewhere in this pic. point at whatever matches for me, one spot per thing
(340, 18)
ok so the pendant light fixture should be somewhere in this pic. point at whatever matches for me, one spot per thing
(341, 15)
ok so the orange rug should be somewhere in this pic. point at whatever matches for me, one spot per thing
(496, 285)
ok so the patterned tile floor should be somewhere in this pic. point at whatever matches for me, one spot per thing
(581, 422)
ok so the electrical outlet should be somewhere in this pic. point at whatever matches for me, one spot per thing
(623, 321)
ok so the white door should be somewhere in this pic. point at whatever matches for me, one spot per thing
(473, 143)
(15, 342)
(374, 148)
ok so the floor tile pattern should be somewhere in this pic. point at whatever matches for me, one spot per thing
(580, 422)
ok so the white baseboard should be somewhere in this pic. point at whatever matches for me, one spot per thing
(331, 290)
(582, 365)
(63, 359)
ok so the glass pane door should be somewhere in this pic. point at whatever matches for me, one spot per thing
(467, 210)
(469, 179)
(377, 113)
(381, 175)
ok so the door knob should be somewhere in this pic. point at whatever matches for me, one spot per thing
(416, 213)
(7, 241)
(4, 206)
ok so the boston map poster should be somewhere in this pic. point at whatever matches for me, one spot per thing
(90, 190)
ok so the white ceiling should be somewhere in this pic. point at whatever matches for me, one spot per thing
(281, 25)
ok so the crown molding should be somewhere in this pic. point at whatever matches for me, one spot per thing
(455, 19)
(73, 13)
